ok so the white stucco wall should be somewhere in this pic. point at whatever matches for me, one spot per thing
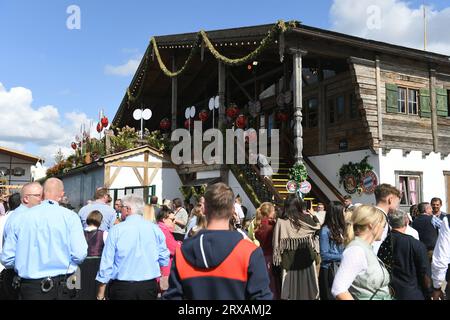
(432, 169)
(330, 164)
(237, 189)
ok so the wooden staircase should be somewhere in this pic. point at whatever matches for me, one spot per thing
(280, 179)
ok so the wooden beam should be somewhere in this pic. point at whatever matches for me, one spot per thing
(379, 106)
(239, 85)
(138, 175)
(146, 169)
(139, 164)
(322, 125)
(174, 95)
(298, 103)
(434, 119)
(150, 180)
(114, 176)
(107, 176)
(221, 93)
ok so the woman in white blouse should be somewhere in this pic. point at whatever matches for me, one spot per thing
(361, 275)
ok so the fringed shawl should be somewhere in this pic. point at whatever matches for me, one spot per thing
(287, 237)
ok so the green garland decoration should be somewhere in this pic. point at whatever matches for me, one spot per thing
(355, 169)
(279, 27)
(298, 172)
(163, 67)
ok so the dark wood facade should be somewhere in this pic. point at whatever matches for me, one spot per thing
(353, 98)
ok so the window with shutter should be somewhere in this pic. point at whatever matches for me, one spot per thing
(441, 102)
(391, 98)
(425, 103)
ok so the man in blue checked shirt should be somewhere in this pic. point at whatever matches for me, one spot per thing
(133, 254)
(101, 197)
(46, 247)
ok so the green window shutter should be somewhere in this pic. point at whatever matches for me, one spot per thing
(441, 102)
(425, 103)
(391, 98)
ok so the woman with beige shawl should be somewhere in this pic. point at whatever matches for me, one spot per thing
(295, 249)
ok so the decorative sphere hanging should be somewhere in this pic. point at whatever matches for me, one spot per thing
(232, 111)
(105, 122)
(241, 121)
(99, 127)
(186, 123)
(282, 116)
(164, 124)
(203, 115)
(74, 146)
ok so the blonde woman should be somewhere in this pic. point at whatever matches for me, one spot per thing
(261, 232)
(361, 275)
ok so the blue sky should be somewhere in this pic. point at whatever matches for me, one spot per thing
(66, 68)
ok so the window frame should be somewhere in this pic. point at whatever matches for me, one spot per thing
(407, 100)
(410, 174)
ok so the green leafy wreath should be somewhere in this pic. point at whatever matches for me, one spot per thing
(355, 169)
(298, 172)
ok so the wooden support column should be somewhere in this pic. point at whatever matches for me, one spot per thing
(434, 119)
(221, 93)
(174, 95)
(379, 106)
(322, 118)
(298, 103)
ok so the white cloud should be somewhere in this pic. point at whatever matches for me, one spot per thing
(393, 21)
(124, 70)
(42, 127)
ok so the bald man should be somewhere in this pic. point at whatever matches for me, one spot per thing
(46, 247)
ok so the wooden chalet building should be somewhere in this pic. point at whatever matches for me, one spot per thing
(345, 98)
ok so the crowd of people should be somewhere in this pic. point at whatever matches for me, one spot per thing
(217, 249)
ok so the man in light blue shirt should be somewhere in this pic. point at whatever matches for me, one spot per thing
(30, 196)
(109, 214)
(46, 247)
(133, 254)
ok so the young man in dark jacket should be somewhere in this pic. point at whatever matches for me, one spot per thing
(218, 264)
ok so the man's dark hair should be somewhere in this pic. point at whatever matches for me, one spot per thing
(436, 199)
(347, 197)
(154, 200)
(384, 190)
(423, 206)
(14, 201)
(177, 203)
(94, 218)
(219, 201)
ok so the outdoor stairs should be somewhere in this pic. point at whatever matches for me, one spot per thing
(281, 178)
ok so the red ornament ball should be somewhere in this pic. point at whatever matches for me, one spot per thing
(74, 146)
(164, 124)
(186, 123)
(241, 121)
(99, 127)
(232, 111)
(282, 116)
(104, 122)
(203, 115)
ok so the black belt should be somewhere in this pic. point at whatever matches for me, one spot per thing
(132, 282)
(47, 284)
